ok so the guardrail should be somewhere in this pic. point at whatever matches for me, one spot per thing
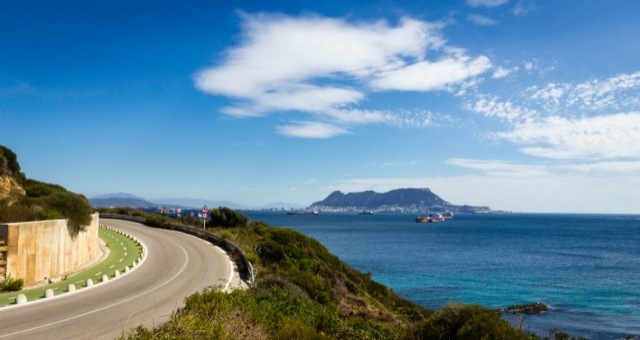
(236, 254)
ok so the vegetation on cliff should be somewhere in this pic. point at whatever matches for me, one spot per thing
(302, 291)
(9, 165)
(41, 201)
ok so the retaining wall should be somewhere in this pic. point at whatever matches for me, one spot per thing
(43, 250)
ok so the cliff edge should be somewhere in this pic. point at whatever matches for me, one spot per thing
(10, 177)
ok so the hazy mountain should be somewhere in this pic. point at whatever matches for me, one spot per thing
(117, 195)
(410, 199)
(133, 201)
(105, 201)
(277, 205)
(198, 203)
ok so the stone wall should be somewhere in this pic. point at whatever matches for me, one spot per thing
(44, 250)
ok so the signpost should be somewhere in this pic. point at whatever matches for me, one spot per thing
(204, 213)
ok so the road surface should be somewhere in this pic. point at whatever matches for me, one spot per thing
(177, 265)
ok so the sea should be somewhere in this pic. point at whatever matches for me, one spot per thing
(585, 268)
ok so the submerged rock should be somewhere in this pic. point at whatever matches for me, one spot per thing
(529, 308)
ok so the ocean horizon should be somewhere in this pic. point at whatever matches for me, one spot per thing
(583, 266)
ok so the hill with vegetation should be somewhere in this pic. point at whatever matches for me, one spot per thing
(31, 200)
(409, 199)
(302, 291)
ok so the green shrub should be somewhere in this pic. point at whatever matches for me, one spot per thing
(45, 201)
(460, 321)
(11, 285)
(9, 165)
(226, 234)
(76, 208)
(37, 189)
(228, 218)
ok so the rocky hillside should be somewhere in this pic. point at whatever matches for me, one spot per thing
(408, 200)
(10, 177)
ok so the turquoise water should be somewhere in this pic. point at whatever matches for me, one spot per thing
(585, 267)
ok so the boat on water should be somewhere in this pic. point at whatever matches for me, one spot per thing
(366, 212)
(447, 214)
(430, 219)
(303, 212)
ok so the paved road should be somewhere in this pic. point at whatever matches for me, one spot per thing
(177, 265)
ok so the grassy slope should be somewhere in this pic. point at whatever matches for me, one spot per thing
(305, 292)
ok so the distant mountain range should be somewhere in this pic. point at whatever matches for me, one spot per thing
(406, 200)
(401, 200)
(132, 201)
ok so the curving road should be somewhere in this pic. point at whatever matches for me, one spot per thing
(177, 265)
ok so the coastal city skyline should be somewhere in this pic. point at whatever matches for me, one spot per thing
(519, 105)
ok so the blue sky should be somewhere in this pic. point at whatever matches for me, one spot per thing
(519, 105)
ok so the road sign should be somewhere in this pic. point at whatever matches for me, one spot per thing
(204, 213)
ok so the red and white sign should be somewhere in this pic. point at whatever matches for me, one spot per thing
(204, 212)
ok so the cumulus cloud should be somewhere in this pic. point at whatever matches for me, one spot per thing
(601, 137)
(325, 67)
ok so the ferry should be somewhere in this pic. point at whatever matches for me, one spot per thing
(304, 212)
(430, 219)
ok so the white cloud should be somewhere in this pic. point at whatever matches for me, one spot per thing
(600, 93)
(593, 95)
(523, 7)
(513, 169)
(552, 92)
(530, 65)
(325, 66)
(311, 130)
(502, 72)
(601, 137)
(503, 110)
(429, 76)
(486, 3)
(500, 168)
(611, 167)
(481, 20)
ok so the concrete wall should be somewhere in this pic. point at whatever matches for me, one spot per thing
(41, 250)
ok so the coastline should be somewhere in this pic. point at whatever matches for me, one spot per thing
(486, 236)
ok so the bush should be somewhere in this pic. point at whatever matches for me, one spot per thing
(228, 218)
(11, 285)
(9, 165)
(47, 202)
(459, 321)
(72, 206)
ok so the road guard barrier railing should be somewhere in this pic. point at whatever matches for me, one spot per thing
(235, 253)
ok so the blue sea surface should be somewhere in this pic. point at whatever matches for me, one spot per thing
(586, 268)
